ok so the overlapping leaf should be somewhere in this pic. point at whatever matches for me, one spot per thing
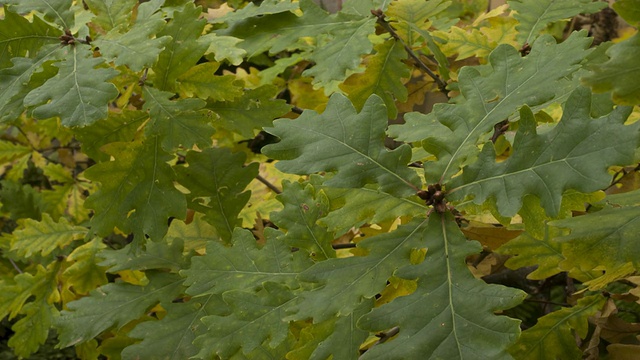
(344, 283)
(492, 93)
(342, 140)
(456, 311)
(58, 11)
(117, 127)
(137, 193)
(19, 37)
(78, 93)
(617, 74)
(216, 179)
(183, 51)
(303, 207)
(177, 122)
(156, 255)
(114, 304)
(536, 15)
(201, 81)
(244, 266)
(383, 77)
(554, 336)
(629, 10)
(110, 13)
(340, 38)
(574, 155)
(86, 274)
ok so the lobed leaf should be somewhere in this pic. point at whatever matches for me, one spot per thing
(78, 93)
(58, 11)
(44, 236)
(111, 13)
(344, 141)
(456, 311)
(575, 154)
(19, 37)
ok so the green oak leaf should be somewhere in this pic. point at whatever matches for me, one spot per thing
(137, 193)
(534, 16)
(602, 240)
(383, 77)
(183, 51)
(251, 10)
(344, 141)
(303, 206)
(43, 236)
(86, 274)
(32, 330)
(255, 317)
(114, 304)
(245, 265)
(490, 94)
(554, 335)
(355, 207)
(19, 37)
(111, 13)
(177, 123)
(255, 109)
(629, 10)
(451, 313)
(202, 82)
(340, 38)
(216, 180)
(618, 73)
(137, 47)
(10, 151)
(24, 76)
(58, 11)
(156, 255)
(528, 250)
(345, 282)
(171, 338)
(116, 127)
(224, 48)
(78, 93)
(575, 154)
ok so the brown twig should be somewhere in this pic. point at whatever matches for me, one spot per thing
(442, 86)
(268, 184)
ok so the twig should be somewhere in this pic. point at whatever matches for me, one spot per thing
(15, 266)
(441, 84)
(268, 184)
(388, 335)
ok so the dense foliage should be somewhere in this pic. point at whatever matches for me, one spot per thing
(222, 180)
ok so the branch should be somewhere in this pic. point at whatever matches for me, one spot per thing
(385, 24)
(268, 184)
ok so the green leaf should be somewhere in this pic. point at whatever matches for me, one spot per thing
(44, 236)
(156, 255)
(10, 151)
(117, 127)
(137, 193)
(177, 123)
(554, 336)
(617, 74)
(224, 48)
(490, 94)
(303, 207)
(20, 79)
(340, 38)
(340, 138)
(602, 240)
(575, 154)
(183, 51)
(58, 11)
(216, 180)
(383, 77)
(136, 47)
(79, 93)
(629, 10)
(172, 336)
(86, 274)
(20, 201)
(456, 311)
(355, 207)
(19, 37)
(111, 13)
(267, 7)
(534, 16)
(346, 282)
(244, 266)
(201, 81)
(114, 304)
(527, 250)
(32, 330)
(255, 109)
(254, 319)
